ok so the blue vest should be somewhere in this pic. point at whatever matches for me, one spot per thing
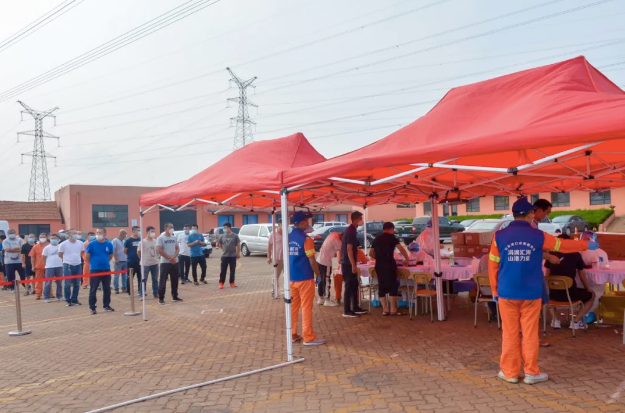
(520, 269)
(298, 261)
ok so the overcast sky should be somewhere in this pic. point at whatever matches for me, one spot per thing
(345, 73)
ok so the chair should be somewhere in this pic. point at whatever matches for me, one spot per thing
(404, 274)
(483, 288)
(370, 287)
(425, 278)
(555, 282)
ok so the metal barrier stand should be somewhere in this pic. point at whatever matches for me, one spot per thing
(131, 291)
(18, 313)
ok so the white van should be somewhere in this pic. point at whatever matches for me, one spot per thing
(254, 238)
(4, 228)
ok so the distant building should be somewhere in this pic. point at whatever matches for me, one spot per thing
(31, 217)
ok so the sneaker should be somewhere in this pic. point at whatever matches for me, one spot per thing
(85, 287)
(316, 342)
(232, 285)
(76, 303)
(47, 300)
(555, 323)
(116, 291)
(59, 299)
(177, 300)
(331, 303)
(360, 311)
(155, 295)
(579, 325)
(27, 293)
(38, 297)
(93, 311)
(351, 314)
(109, 309)
(321, 301)
(539, 378)
(183, 282)
(221, 286)
(124, 290)
(161, 302)
(509, 380)
(203, 281)
(295, 338)
(196, 283)
(68, 305)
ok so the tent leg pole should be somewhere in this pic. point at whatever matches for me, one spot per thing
(274, 261)
(144, 282)
(284, 207)
(440, 298)
(364, 241)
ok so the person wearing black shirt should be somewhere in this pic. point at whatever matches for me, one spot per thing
(385, 266)
(349, 253)
(570, 266)
(26, 262)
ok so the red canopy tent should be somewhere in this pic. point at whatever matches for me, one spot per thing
(554, 128)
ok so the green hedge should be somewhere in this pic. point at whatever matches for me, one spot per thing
(593, 216)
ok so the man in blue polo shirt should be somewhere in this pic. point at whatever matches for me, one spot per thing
(195, 242)
(98, 256)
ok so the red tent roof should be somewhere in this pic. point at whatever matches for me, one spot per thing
(255, 167)
(503, 123)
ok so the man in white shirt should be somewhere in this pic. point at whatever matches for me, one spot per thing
(54, 268)
(121, 262)
(149, 259)
(70, 252)
(12, 248)
(276, 259)
(184, 257)
(328, 251)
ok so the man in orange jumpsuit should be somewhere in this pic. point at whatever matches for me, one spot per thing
(39, 265)
(516, 278)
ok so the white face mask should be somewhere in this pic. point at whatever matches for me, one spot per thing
(43, 240)
(138, 233)
(171, 231)
(152, 234)
(99, 237)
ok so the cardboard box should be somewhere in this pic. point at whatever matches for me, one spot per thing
(613, 244)
(460, 251)
(478, 238)
(485, 249)
(473, 250)
(457, 238)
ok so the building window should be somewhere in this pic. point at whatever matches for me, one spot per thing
(341, 217)
(427, 208)
(317, 218)
(250, 219)
(110, 216)
(534, 198)
(25, 229)
(278, 218)
(473, 205)
(406, 205)
(601, 198)
(502, 203)
(560, 199)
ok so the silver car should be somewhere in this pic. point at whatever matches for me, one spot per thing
(254, 238)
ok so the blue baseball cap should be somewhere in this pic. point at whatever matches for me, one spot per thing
(300, 216)
(522, 207)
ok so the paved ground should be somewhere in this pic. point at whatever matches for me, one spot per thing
(75, 362)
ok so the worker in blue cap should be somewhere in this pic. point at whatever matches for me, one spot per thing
(516, 279)
(304, 269)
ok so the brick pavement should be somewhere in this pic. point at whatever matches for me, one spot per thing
(74, 362)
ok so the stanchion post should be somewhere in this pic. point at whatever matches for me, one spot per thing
(18, 313)
(131, 291)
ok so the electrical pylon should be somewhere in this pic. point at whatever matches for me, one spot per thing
(243, 129)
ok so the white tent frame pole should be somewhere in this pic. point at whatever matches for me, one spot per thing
(166, 207)
(186, 205)
(364, 241)
(207, 201)
(440, 298)
(284, 209)
(144, 284)
(274, 260)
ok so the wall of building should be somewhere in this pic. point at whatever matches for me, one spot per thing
(55, 225)
(390, 212)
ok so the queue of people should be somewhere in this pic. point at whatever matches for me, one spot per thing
(67, 254)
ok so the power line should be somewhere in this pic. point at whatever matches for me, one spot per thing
(119, 42)
(461, 40)
(38, 24)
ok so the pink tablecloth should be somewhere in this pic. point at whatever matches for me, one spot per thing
(613, 275)
(449, 273)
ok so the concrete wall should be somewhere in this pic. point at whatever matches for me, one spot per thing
(55, 225)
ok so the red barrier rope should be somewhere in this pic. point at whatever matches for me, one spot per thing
(6, 283)
(69, 277)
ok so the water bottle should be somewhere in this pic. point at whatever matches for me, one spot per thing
(451, 258)
(601, 263)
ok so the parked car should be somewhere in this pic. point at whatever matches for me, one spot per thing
(467, 222)
(409, 233)
(254, 238)
(569, 223)
(545, 225)
(488, 225)
(320, 234)
(214, 233)
(329, 224)
(373, 227)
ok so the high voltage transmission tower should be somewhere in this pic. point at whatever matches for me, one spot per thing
(39, 183)
(243, 129)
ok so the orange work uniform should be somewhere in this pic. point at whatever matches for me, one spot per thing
(302, 285)
(516, 278)
(39, 267)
